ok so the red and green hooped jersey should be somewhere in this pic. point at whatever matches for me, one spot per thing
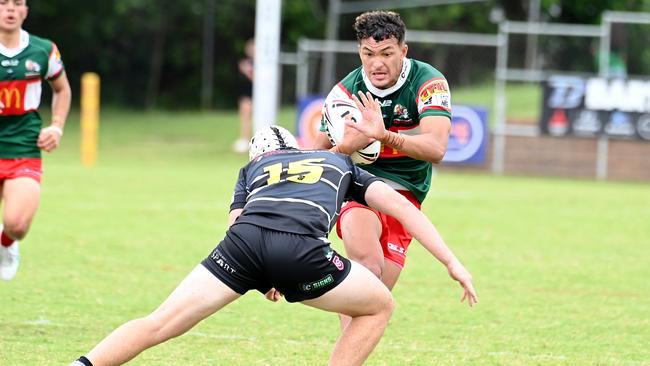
(22, 71)
(420, 91)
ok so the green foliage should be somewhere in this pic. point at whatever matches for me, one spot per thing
(560, 266)
(149, 52)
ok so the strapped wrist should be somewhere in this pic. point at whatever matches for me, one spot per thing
(58, 129)
(393, 139)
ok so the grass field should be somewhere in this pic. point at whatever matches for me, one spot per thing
(561, 266)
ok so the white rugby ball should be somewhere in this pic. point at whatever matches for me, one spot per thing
(335, 113)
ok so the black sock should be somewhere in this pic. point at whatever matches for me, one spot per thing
(82, 361)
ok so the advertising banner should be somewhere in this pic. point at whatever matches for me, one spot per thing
(591, 107)
(469, 135)
(308, 123)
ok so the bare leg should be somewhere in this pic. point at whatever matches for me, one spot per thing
(361, 230)
(245, 123)
(369, 304)
(198, 296)
(21, 197)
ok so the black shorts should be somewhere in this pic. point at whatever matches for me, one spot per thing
(301, 267)
(246, 89)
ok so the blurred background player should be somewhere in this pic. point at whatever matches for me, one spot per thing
(287, 252)
(415, 109)
(246, 68)
(25, 60)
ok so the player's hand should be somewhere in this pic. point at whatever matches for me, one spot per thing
(2, 107)
(273, 295)
(372, 121)
(458, 272)
(49, 138)
(353, 140)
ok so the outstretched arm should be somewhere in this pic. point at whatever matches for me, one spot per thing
(385, 199)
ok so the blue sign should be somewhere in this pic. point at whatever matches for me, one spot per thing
(469, 136)
(308, 123)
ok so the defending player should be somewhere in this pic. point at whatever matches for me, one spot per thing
(25, 61)
(287, 249)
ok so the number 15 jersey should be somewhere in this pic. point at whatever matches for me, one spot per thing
(298, 191)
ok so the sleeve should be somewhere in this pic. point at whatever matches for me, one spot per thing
(337, 92)
(239, 194)
(361, 180)
(433, 96)
(55, 64)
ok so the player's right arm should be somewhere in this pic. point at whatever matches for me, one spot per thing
(353, 140)
(385, 199)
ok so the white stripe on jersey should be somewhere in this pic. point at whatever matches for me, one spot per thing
(294, 200)
(32, 95)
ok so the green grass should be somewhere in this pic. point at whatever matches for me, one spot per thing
(561, 266)
(523, 100)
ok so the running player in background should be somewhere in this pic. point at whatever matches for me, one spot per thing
(415, 117)
(286, 251)
(25, 61)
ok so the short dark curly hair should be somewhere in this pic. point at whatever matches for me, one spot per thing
(379, 25)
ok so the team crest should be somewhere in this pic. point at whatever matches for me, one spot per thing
(400, 112)
(32, 66)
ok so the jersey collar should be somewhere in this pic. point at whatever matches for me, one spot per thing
(24, 42)
(406, 68)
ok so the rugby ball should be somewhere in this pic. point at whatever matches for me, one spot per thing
(335, 113)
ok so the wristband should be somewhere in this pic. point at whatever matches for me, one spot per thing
(58, 129)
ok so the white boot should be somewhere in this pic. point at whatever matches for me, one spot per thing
(9, 260)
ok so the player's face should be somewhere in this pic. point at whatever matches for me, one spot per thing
(12, 14)
(382, 61)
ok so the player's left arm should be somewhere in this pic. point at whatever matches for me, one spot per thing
(50, 137)
(430, 145)
(381, 197)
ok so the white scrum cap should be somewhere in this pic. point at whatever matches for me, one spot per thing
(269, 139)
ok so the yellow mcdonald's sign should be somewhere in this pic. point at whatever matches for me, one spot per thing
(7, 95)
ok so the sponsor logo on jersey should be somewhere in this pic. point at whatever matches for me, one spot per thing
(386, 103)
(434, 93)
(313, 286)
(338, 263)
(12, 95)
(396, 248)
(9, 63)
(329, 253)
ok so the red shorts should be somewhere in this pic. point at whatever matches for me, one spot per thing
(394, 238)
(21, 167)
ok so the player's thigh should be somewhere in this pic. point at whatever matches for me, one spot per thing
(198, 296)
(361, 293)
(21, 197)
(361, 232)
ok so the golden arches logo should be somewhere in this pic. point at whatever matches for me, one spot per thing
(7, 95)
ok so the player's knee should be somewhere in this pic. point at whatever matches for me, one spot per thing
(386, 305)
(16, 229)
